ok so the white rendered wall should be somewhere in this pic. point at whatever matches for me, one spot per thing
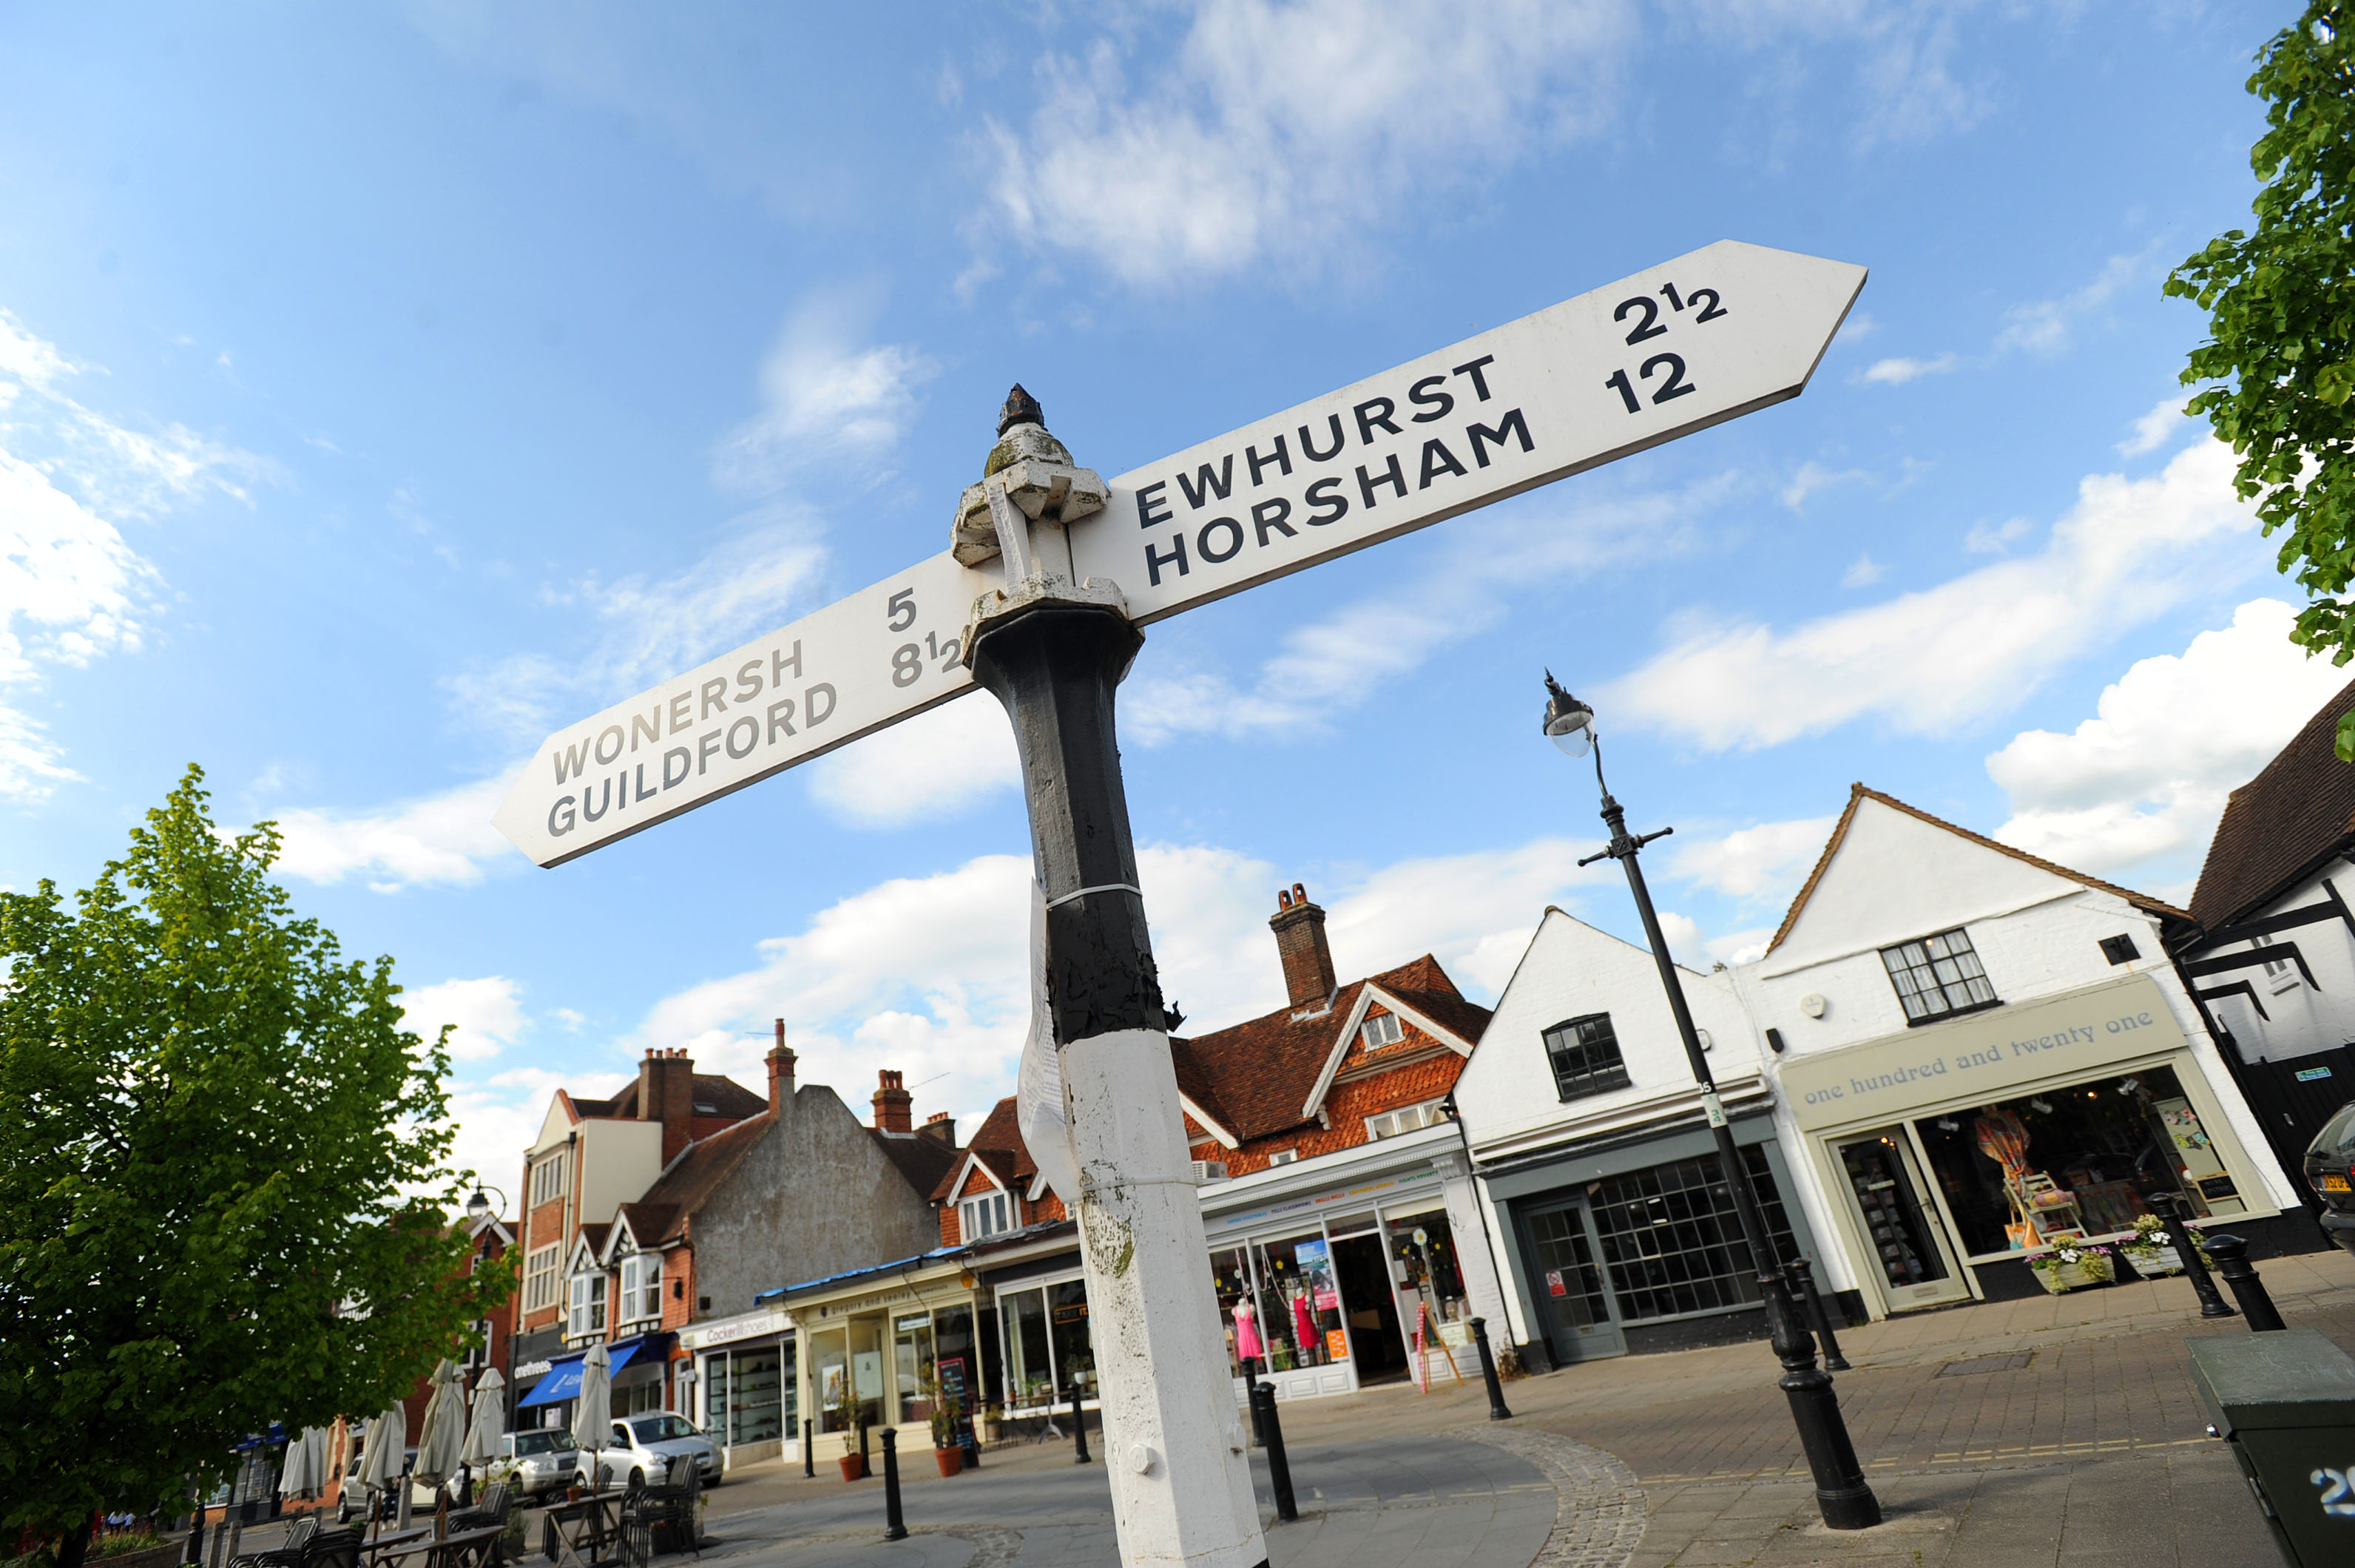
(2302, 1019)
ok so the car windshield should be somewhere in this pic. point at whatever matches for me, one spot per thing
(656, 1428)
(555, 1441)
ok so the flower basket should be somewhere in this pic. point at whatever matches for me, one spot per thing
(2071, 1269)
(2154, 1263)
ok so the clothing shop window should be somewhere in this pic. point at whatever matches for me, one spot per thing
(1585, 1056)
(987, 1215)
(1382, 1029)
(641, 1286)
(587, 1315)
(1672, 1238)
(1406, 1119)
(539, 1278)
(1938, 976)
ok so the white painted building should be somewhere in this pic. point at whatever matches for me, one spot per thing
(1951, 1054)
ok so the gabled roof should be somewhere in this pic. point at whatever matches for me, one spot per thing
(996, 1144)
(725, 1096)
(922, 1162)
(592, 1241)
(1407, 1049)
(1260, 1074)
(661, 1215)
(1858, 794)
(2281, 826)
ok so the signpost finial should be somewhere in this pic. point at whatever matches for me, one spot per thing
(1020, 407)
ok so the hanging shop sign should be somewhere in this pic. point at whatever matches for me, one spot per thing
(1981, 1055)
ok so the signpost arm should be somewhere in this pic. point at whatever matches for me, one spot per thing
(1181, 1488)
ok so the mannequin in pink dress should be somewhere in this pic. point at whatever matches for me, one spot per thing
(1303, 1326)
(1247, 1345)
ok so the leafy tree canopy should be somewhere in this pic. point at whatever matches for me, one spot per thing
(2282, 307)
(224, 1194)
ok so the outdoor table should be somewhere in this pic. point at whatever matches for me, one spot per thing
(396, 1538)
(594, 1521)
(459, 1549)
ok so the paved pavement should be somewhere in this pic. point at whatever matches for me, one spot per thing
(2057, 1433)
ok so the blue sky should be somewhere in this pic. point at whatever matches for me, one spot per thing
(382, 387)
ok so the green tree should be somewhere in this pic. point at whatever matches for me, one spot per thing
(2281, 301)
(224, 1194)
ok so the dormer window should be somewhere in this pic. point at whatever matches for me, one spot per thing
(987, 1215)
(586, 1316)
(1380, 1031)
(641, 1286)
(1406, 1119)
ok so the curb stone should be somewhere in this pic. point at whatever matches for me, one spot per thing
(1599, 1518)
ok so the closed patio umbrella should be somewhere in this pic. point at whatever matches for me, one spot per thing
(592, 1413)
(443, 1431)
(305, 1475)
(490, 1419)
(381, 1451)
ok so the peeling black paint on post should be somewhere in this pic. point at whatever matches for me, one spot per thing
(1056, 669)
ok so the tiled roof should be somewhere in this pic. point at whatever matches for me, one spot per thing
(693, 1178)
(1858, 794)
(2282, 824)
(723, 1094)
(924, 1162)
(998, 1144)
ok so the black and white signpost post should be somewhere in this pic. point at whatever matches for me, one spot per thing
(1050, 576)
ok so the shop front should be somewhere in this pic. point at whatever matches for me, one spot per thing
(744, 1393)
(639, 1369)
(1955, 1152)
(1350, 1270)
(1628, 1242)
(531, 1357)
(1047, 1344)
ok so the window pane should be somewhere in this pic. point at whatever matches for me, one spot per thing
(1672, 1239)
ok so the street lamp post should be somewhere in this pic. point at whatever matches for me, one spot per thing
(1841, 1491)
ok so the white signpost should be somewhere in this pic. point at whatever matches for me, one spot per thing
(1704, 339)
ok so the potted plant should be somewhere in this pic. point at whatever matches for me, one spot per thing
(2072, 1265)
(948, 1452)
(2152, 1250)
(838, 1404)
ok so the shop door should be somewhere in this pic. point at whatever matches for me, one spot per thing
(1367, 1300)
(1572, 1296)
(1918, 1262)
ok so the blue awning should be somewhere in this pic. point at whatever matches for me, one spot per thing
(563, 1379)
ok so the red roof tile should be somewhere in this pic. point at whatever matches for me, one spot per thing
(2282, 825)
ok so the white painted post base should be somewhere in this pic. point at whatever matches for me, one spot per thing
(1181, 1490)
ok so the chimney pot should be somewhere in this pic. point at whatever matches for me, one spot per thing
(1300, 944)
(781, 1072)
(893, 1104)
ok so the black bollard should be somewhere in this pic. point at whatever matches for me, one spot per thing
(1802, 1274)
(1497, 1409)
(1279, 1468)
(894, 1527)
(2171, 1208)
(2232, 1256)
(1251, 1404)
(1078, 1428)
(809, 1451)
(196, 1529)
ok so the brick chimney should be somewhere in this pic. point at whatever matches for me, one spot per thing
(781, 1072)
(1299, 928)
(894, 1107)
(666, 1094)
(941, 1127)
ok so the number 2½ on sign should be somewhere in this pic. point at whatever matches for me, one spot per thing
(1650, 325)
(908, 658)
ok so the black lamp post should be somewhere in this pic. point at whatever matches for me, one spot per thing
(1841, 1492)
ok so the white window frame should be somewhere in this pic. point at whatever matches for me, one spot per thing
(990, 1213)
(584, 1309)
(1375, 1036)
(1284, 1157)
(548, 1179)
(641, 1286)
(539, 1277)
(1391, 1124)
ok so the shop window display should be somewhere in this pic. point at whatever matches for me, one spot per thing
(1231, 1279)
(1075, 1349)
(1425, 1249)
(1299, 1303)
(830, 1356)
(1672, 1239)
(2073, 1162)
(1049, 1349)
(912, 1364)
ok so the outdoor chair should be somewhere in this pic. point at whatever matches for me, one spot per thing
(288, 1554)
(332, 1549)
(493, 1508)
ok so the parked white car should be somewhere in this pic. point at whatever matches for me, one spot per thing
(653, 1448)
(538, 1460)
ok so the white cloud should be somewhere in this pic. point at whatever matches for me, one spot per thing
(1927, 662)
(1330, 666)
(826, 397)
(487, 1013)
(2156, 429)
(498, 1117)
(1764, 861)
(1997, 538)
(445, 838)
(1813, 476)
(2149, 774)
(1863, 572)
(71, 588)
(937, 765)
(2043, 326)
(1207, 159)
(1896, 372)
